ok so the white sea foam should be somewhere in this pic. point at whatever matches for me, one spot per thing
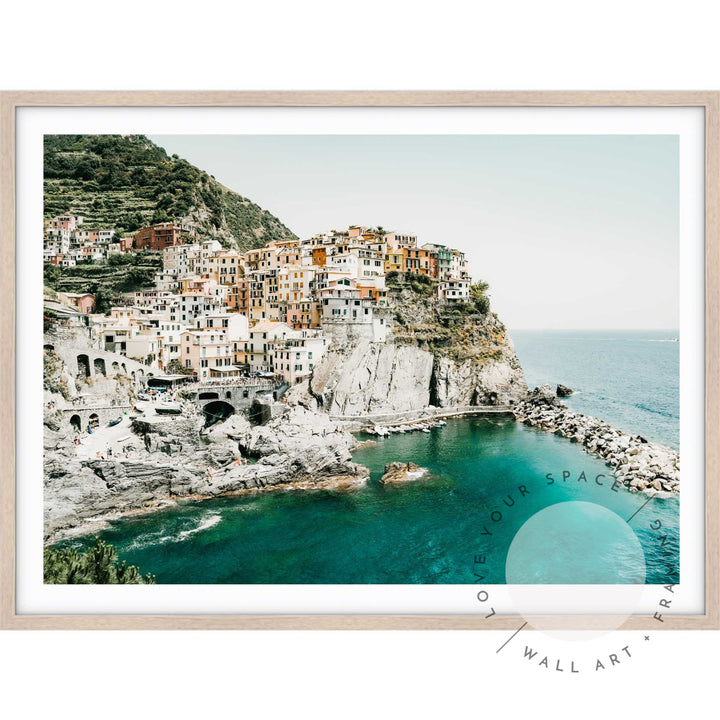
(206, 522)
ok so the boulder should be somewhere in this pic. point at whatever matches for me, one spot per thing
(563, 391)
(399, 472)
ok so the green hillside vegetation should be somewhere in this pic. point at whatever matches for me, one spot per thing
(125, 182)
(96, 566)
(108, 280)
(459, 330)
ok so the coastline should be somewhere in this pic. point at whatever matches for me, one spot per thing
(640, 465)
(630, 458)
(341, 483)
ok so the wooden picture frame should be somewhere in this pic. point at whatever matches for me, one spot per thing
(10, 102)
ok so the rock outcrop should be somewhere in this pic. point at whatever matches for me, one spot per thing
(174, 459)
(434, 354)
(399, 472)
(563, 391)
(640, 465)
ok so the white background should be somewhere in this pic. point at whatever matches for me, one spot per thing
(334, 45)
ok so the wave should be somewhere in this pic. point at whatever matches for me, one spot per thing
(206, 522)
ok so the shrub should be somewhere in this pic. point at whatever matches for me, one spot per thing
(96, 566)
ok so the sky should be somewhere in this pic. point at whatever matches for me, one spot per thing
(570, 231)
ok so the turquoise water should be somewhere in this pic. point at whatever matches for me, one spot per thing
(487, 479)
(630, 378)
(428, 531)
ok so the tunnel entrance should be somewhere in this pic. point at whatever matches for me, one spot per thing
(217, 412)
(76, 422)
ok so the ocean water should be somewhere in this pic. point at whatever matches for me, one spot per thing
(630, 378)
(487, 492)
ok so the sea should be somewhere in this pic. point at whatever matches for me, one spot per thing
(536, 507)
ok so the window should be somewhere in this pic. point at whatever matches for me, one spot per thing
(188, 364)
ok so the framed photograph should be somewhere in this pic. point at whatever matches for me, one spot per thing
(359, 360)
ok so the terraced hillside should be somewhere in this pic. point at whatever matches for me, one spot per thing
(124, 182)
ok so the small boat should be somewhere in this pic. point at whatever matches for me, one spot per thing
(441, 423)
(143, 396)
(114, 422)
(425, 430)
(168, 408)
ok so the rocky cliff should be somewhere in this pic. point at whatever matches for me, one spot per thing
(435, 354)
(171, 457)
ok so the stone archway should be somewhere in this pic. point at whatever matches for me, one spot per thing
(99, 365)
(83, 365)
(76, 422)
(115, 368)
(217, 411)
(94, 421)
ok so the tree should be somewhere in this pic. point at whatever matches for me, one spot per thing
(102, 302)
(52, 274)
(479, 298)
(96, 566)
(159, 216)
(175, 367)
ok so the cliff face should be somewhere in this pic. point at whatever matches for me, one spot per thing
(373, 378)
(434, 355)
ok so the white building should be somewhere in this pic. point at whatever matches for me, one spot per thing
(235, 325)
(258, 350)
(295, 357)
(453, 290)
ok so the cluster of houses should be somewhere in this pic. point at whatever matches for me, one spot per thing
(66, 243)
(219, 314)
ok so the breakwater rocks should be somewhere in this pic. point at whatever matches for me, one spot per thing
(640, 465)
(173, 457)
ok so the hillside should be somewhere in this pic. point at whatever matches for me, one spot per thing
(124, 182)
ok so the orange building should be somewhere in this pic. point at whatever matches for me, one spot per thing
(303, 314)
(238, 298)
(319, 256)
(416, 260)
